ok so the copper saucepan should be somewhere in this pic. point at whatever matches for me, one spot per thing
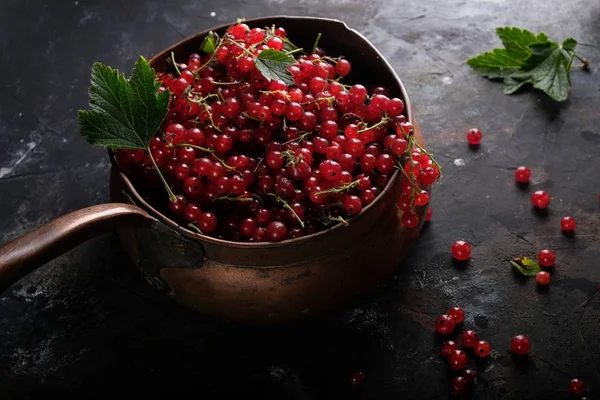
(250, 282)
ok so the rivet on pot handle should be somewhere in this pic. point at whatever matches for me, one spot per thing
(24, 254)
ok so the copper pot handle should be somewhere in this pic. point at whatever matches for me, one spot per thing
(24, 254)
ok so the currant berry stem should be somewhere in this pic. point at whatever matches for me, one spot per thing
(286, 205)
(172, 197)
(175, 63)
(340, 189)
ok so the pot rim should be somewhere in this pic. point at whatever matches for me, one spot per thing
(288, 242)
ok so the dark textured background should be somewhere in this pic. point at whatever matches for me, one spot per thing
(87, 323)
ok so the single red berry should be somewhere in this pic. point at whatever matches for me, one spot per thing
(469, 374)
(429, 212)
(520, 345)
(444, 324)
(409, 219)
(207, 222)
(522, 174)
(343, 67)
(448, 347)
(546, 258)
(482, 348)
(457, 313)
(458, 359)
(422, 198)
(576, 386)
(543, 278)
(279, 31)
(461, 250)
(474, 136)
(568, 224)
(540, 199)
(277, 231)
(330, 170)
(357, 378)
(469, 338)
(352, 204)
(275, 43)
(459, 385)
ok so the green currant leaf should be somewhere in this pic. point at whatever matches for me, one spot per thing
(526, 266)
(209, 45)
(528, 58)
(124, 113)
(274, 65)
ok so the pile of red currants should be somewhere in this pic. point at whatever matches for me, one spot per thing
(250, 159)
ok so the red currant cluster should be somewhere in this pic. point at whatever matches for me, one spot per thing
(252, 159)
(458, 359)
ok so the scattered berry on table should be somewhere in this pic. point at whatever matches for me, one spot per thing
(444, 324)
(543, 278)
(457, 313)
(448, 347)
(540, 199)
(461, 250)
(522, 174)
(546, 258)
(520, 345)
(576, 386)
(357, 378)
(459, 385)
(469, 374)
(482, 348)
(458, 359)
(474, 136)
(469, 338)
(568, 224)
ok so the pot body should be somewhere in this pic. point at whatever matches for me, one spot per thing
(274, 282)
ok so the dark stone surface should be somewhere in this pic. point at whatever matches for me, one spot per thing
(86, 323)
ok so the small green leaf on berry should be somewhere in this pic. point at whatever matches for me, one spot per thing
(209, 44)
(274, 65)
(526, 266)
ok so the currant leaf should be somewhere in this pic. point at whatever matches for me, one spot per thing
(528, 58)
(124, 113)
(526, 266)
(274, 65)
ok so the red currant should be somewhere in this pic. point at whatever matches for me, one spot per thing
(429, 212)
(461, 250)
(343, 67)
(409, 219)
(207, 222)
(277, 231)
(457, 313)
(546, 258)
(520, 345)
(540, 199)
(444, 324)
(422, 198)
(543, 278)
(458, 359)
(522, 174)
(576, 386)
(459, 385)
(357, 378)
(474, 136)
(352, 204)
(469, 374)
(469, 338)
(482, 348)
(568, 224)
(448, 347)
